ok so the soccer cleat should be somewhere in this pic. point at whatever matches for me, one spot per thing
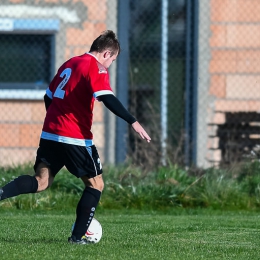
(1, 193)
(82, 241)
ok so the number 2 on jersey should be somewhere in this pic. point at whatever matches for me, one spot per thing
(59, 92)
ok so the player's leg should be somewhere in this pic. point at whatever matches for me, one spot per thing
(49, 161)
(47, 164)
(87, 204)
(25, 184)
(21, 185)
(43, 176)
(84, 163)
(96, 182)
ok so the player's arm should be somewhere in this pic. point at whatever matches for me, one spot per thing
(115, 106)
(47, 101)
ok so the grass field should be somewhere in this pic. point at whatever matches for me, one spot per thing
(174, 215)
(176, 234)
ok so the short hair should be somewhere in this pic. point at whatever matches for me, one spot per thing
(106, 41)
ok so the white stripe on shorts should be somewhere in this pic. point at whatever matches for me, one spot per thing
(67, 140)
(90, 153)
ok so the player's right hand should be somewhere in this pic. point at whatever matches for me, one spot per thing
(140, 130)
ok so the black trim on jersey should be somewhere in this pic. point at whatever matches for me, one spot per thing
(47, 101)
(115, 106)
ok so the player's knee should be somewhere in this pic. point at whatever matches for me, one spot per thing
(43, 183)
(98, 185)
(44, 177)
(95, 183)
(101, 186)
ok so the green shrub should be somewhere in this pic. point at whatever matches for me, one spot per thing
(162, 188)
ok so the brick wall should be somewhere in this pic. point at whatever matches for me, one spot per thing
(234, 65)
(20, 128)
(21, 121)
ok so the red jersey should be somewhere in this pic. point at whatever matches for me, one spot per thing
(73, 90)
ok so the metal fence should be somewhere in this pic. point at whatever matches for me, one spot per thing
(188, 71)
(157, 77)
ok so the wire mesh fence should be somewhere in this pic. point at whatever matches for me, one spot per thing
(193, 75)
(147, 100)
(229, 50)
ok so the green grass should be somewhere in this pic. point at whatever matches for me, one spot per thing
(162, 188)
(176, 234)
(168, 213)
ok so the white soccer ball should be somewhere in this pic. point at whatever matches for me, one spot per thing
(94, 232)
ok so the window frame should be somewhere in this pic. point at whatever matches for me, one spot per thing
(29, 26)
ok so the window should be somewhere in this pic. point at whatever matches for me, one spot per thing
(27, 58)
(25, 61)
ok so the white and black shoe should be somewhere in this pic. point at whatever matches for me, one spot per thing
(82, 241)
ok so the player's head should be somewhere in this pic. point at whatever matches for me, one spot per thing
(106, 41)
(106, 48)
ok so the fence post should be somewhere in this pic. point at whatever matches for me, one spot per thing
(191, 81)
(164, 80)
(122, 78)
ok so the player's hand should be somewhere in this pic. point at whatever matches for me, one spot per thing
(139, 129)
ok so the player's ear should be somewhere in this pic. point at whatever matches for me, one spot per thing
(107, 54)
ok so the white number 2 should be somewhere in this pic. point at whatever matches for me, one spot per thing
(59, 92)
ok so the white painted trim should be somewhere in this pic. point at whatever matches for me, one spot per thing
(25, 94)
(64, 14)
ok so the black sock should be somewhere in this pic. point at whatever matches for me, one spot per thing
(85, 211)
(21, 185)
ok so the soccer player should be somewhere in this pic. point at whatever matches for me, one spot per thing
(66, 138)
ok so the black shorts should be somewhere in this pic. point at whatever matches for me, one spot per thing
(79, 160)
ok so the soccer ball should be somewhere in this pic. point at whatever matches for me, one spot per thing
(94, 232)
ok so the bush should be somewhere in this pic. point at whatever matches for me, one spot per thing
(162, 188)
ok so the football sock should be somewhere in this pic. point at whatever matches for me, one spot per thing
(20, 185)
(85, 211)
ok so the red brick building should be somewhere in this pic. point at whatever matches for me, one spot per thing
(79, 23)
(228, 72)
(234, 47)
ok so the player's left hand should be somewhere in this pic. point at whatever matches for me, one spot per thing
(140, 130)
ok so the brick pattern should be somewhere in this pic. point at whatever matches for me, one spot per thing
(79, 39)
(21, 121)
(234, 61)
(16, 156)
(235, 45)
(22, 111)
(20, 135)
(235, 58)
(235, 36)
(21, 125)
(235, 11)
(218, 86)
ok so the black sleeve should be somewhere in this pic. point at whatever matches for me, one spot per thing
(47, 101)
(115, 106)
